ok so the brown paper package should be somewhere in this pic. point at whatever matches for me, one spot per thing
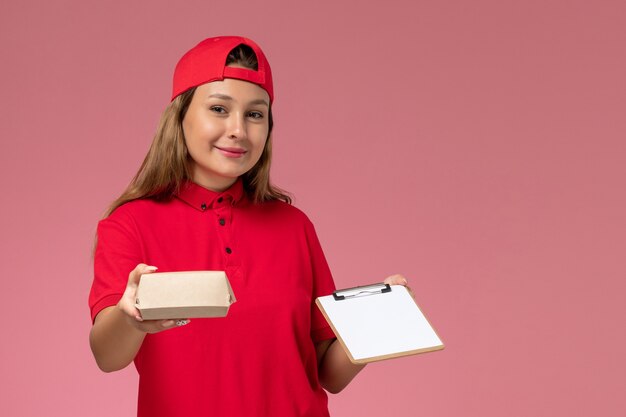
(184, 295)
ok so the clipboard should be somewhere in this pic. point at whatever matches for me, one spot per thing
(378, 322)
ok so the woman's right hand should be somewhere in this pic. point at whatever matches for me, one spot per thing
(132, 314)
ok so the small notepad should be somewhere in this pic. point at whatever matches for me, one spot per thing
(378, 322)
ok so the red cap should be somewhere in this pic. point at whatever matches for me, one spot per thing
(206, 62)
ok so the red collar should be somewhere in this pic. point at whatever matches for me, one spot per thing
(202, 199)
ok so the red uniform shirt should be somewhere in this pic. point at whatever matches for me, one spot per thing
(260, 360)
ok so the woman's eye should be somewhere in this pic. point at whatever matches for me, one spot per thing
(218, 109)
(256, 114)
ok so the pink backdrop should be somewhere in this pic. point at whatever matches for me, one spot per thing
(476, 147)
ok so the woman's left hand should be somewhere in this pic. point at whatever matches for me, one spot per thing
(398, 279)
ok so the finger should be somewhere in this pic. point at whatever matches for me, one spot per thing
(128, 299)
(129, 309)
(156, 326)
(175, 323)
(127, 302)
(136, 314)
(135, 274)
(396, 279)
(127, 305)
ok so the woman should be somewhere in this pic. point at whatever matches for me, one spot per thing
(202, 200)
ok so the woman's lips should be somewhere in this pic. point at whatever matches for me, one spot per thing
(232, 152)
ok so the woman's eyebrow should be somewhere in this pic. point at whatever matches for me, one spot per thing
(222, 96)
(260, 101)
(229, 98)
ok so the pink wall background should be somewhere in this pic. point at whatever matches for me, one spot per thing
(476, 147)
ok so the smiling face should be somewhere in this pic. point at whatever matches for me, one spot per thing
(225, 127)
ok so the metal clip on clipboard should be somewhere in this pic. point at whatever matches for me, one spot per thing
(361, 291)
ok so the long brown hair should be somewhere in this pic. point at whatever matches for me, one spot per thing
(167, 165)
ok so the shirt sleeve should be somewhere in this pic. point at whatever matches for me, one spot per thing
(118, 251)
(323, 284)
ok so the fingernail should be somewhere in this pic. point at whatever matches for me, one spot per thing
(151, 268)
(138, 318)
(182, 322)
(168, 323)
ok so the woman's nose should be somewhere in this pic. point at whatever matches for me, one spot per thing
(237, 127)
